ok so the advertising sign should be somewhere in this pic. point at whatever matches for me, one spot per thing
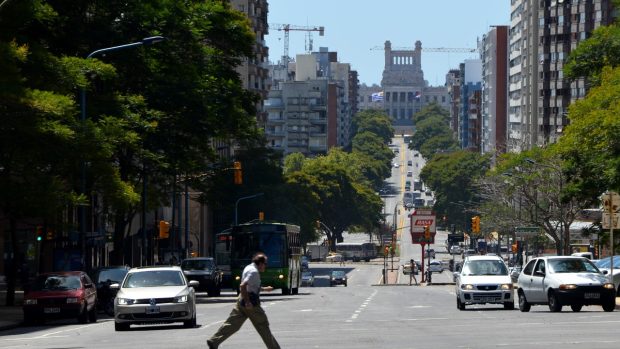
(421, 219)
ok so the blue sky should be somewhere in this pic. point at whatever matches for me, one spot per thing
(353, 27)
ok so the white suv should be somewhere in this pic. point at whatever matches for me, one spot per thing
(482, 280)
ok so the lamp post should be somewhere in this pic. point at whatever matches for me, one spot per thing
(244, 198)
(145, 42)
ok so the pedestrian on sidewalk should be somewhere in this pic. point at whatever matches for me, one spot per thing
(414, 272)
(248, 306)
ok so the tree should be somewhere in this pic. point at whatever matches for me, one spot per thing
(374, 121)
(452, 177)
(427, 129)
(375, 157)
(600, 50)
(432, 110)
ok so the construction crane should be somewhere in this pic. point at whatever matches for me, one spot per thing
(430, 49)
(290, 27)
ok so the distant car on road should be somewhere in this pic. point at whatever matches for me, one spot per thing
(204, 270)
(338, 277)
(304, 263)
(564, 280)
(455, 249)
(396, 165)
(436, 267)
(307, 279)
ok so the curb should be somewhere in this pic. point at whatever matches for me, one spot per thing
(10, 326)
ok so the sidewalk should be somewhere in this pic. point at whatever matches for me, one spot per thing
(11, 317)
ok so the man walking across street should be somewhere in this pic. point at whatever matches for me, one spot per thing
(248, 306)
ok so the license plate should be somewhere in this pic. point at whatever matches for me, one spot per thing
(591, 295)
(51, 310)
(488, 299)
(152, 310)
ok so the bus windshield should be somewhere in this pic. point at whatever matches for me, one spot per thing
(271, 243)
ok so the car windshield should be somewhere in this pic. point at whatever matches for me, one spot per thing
(306, 274)
(572, 265)
(485, 267)
(116, 275)
(338, 274)
(56, 283)
(154, 278)
(197, 264)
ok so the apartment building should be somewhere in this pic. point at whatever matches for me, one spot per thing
(313, 112)
(493, 50)
(470, 114)
(542, 35)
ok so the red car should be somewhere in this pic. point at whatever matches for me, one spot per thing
(66, 294)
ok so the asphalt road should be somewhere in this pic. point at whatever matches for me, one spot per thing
(358, 316)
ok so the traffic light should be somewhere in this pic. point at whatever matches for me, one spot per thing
(261, 216)
(238, 172)
(515, 248)
(386, 250)
(39, 233)
(49, 235)
(427, 232)
(164, 230)
(475, 224)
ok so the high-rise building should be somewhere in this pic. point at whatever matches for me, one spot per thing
(494, 54)
(542, 35)
(254, 71)
(470, 114)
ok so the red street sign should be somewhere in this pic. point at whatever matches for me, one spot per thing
(424, 222)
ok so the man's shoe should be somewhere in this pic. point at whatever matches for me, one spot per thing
(211, 345)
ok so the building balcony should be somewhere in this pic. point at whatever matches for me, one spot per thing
(318, 121)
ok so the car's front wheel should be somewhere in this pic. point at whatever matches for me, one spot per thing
(83, 317)
(576, 307)
(610, 305)
(190, 323)
(92, 315)
(524, 306)
(554, 303)
(460, 305)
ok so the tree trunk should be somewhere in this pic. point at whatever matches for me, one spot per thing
(117, 257)
(11, 268)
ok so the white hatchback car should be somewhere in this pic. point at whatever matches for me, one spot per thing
(154, 295)
(564, 280)
(483, 280)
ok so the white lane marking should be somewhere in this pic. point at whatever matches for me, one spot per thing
(306, 310)
(362, 306)
(53, 334)
(419, 306)
(211, 324)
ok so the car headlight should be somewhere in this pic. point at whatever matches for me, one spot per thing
(180, 299)
(568, 287)
(72, 300)
(125, 301)
(506, 286)
(30, 301)
(467, 287)
(237, 277)
(280, 276)
(609, 286)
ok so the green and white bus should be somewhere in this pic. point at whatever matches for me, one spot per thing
(282, 245)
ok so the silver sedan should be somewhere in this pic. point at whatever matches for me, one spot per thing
(154, 295)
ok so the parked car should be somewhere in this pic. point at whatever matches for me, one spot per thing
(205, 271)
(564, 280)
(334, 257)
(155, 295)
(409, 163)
(103, 277)
(69, 294)
(307, 279)
(338, 277)
(605, 265)
(483, 280)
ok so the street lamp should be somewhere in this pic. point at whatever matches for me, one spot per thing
(145, 42)
(244, 198)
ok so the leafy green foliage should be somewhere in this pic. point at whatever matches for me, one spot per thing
(602, 49)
